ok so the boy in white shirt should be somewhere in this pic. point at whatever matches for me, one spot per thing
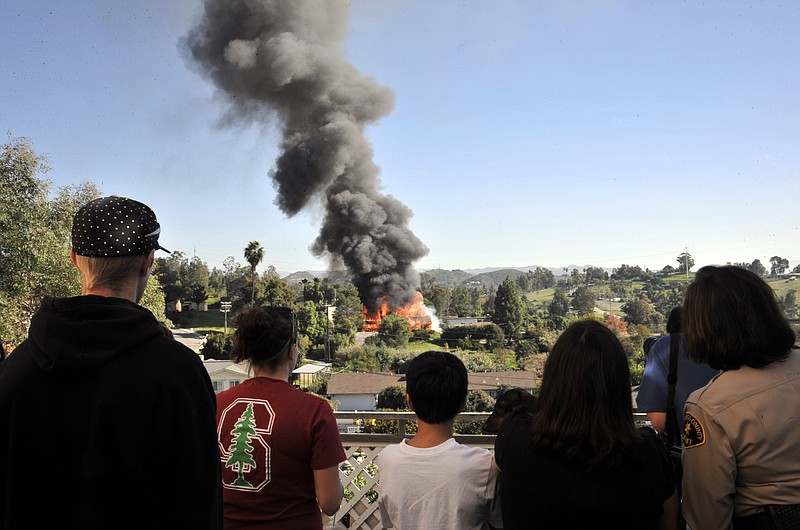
(431, 481)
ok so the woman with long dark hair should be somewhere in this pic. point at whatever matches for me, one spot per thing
(578, 460)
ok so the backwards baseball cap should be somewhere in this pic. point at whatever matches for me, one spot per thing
(115, 226)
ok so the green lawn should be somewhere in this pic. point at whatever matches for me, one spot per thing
(419, 346)
(781, 286)
(545, 295)
(615, 308)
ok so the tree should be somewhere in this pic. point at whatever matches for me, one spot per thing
(464, 301)
(559, 305)
(394, 331)
(666, 297)
(181, 278)
(171, 272)
(35, 227)
(595, 274)
(439, 295)
(392, 397)
(347, 319)
(577, 277)
(196, 280)
(275, 291)
(686, 262)
(320, 291)
(230, 268)
(757, 268)
(583, 301)
(473, 337)
(217, 346)
(779, 265)
(253, 254)
(311, 322)
(34, 237)
(628, 272)
(788, 303)
(541, 278)
(153, 299)
(638, 311)
(358, 359)
(509, 309)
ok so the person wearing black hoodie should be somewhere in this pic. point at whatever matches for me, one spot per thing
(107, 422)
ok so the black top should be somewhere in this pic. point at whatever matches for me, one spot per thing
(540, 491)
(106, 423)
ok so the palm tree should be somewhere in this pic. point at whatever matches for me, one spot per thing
(254, 254)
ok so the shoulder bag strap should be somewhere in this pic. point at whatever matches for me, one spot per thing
(672, 379)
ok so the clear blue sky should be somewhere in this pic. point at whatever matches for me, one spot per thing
(523, 132)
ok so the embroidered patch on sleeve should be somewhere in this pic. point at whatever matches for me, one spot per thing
(693, 432)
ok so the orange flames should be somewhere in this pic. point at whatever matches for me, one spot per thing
(415, 312)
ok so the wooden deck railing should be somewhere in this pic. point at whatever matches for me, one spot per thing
(360, 474)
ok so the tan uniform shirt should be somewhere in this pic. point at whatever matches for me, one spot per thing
(742, 444)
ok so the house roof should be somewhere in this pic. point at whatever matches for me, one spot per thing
(216, 366)
(363, 383)
(312, 368)
(374, 383)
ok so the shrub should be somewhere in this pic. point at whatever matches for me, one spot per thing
(217, 346)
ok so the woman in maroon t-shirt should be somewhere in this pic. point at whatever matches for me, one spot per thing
(280, 447)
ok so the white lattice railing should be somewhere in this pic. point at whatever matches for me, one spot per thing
(360, 474)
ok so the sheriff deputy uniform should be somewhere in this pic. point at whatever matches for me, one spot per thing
(742, 444)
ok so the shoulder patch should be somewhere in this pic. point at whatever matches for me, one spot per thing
(693, 432)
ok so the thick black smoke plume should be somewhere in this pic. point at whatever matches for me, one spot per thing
(284, 58)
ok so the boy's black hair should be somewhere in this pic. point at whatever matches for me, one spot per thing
(436, 382)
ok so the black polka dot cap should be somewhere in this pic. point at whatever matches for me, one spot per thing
(115, 226)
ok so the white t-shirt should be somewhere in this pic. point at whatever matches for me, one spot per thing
(438, 488)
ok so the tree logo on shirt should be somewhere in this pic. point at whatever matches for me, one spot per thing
(693, 432)
(244, 450)
(241, 458)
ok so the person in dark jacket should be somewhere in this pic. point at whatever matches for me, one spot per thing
(107, 422)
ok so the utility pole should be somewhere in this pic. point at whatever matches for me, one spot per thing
(327, 333)
(225, 307)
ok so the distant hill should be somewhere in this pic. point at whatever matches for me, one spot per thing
(557, 271)
(448, 278)
(492, 279)
(299, 276)
(489, 277)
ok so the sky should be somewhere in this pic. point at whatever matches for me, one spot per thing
(523, 133)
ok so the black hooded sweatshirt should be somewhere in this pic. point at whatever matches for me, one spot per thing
(105, 422)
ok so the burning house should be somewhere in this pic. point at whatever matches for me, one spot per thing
(415, 312)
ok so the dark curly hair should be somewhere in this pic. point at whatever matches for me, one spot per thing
(263, 334)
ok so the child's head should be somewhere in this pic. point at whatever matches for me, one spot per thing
(436, 383)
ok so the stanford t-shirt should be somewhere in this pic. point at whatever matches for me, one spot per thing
(272, 436)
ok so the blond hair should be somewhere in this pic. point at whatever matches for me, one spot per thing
(109, 272)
